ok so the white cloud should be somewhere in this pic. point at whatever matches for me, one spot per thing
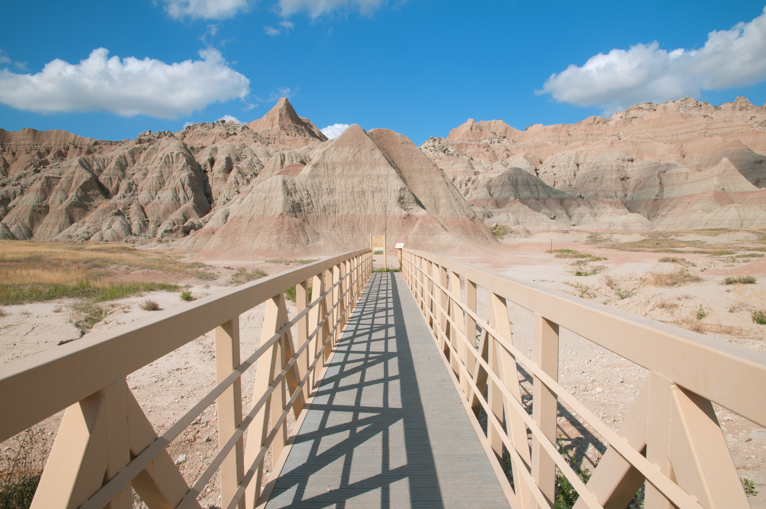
(335, 130)
(317, 8)
(646, 72)
(286, 24)
(125, 87)
(206, 9)
(229, 118)
(271, 31)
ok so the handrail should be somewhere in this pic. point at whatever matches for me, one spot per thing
(55, 376)
(82, 376)
(684, 383)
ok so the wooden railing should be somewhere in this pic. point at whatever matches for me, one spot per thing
(106, 445)
(670, 440)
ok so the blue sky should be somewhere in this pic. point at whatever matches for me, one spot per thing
(419, 67)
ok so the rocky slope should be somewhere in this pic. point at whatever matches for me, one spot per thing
(273, 185)
(681, 164)
(277, 185)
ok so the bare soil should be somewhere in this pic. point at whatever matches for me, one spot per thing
(606, 383)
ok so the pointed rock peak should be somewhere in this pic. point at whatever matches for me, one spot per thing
(472, 130)
(283, 125)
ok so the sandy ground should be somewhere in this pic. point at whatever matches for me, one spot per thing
(606, 383)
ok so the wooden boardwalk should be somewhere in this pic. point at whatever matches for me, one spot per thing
(387, 427)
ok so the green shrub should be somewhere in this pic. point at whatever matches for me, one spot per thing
(187, 296)
(759, 317)
(749, 487)
(741, 280)
(701, 313)
(500, 231)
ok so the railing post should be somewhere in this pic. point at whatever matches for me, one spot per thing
(544, 404)
(229, 408)
(444, 311)
(457, 316)
(470, 323)
(658, 436)
(302, 334)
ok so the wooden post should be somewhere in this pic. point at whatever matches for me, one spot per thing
(229, 408)
(544, 404)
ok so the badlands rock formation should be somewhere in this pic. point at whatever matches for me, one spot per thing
(277, 185)
(681, 164)
(274, 185)
(358, 184)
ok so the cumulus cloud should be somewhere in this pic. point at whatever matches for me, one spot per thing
(317, 8)
(646, 72)
(335, 130)
(229, 118)
(205, 9)
(271, 31)
(125, 87)
(287, 25)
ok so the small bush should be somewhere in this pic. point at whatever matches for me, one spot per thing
(723, 253)
(741, 280)
(669, 279)
(149, 305)
(500, 231)
(749, 487)
(385, 270)
(759, 317)
(187, 296)
(701, 313)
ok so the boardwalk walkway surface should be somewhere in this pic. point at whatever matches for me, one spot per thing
(387, 428)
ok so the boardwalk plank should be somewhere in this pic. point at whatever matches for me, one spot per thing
(387, 428)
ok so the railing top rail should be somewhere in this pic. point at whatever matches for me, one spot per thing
(730, 375)
(40, 385)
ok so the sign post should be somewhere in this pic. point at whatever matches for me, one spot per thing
(378, 246)
(399, 247)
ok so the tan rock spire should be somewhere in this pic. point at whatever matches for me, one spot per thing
(283, 126)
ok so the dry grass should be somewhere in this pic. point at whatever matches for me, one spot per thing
(67, 263)
(288, 261)
(243, 276)
(32, 272)
(20, 471)
(679, 261)
(582, 291)
(150, 305)
(615, 287)
(670, 279)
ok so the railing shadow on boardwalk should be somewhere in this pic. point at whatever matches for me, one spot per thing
(373, 360)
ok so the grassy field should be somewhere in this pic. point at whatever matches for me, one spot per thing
(31, 272)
